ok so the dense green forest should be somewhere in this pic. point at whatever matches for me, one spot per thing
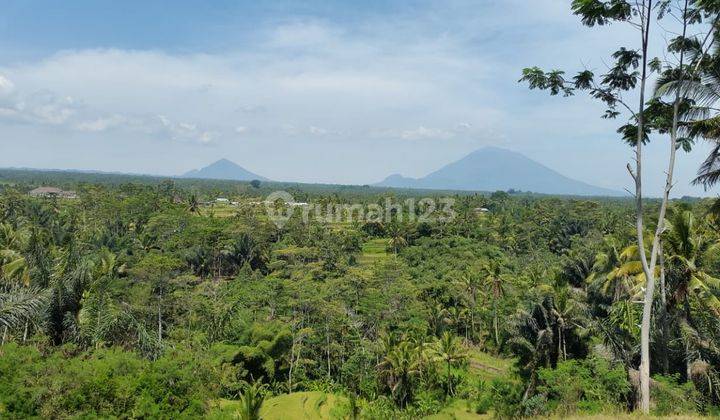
(149, 299)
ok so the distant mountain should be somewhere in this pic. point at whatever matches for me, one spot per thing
(493, 169)
(224, 169)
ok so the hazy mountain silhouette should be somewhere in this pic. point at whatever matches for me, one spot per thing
(224, 169)
(493, 169)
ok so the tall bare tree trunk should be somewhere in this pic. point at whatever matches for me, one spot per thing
(292, 364)
(663, 309)
(495, 325)
(649, 270)
(327, 340)
(160, 332)
(637, 176)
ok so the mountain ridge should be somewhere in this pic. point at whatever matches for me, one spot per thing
(223, 169)
(491, 169)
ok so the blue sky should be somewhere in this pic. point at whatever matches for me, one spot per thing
(340, 92)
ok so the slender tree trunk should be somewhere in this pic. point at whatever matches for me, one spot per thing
(656, 247)
(531, 385)
(472, 321)
(327, 344)
(495, 325)
(687, 320)
(449, 379)
(25, 333)
(650, 280)
(4, 336)
(160, 332)
(664, 313)
(292, 364)
(650, 273)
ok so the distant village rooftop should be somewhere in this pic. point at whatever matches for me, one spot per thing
(50, 192)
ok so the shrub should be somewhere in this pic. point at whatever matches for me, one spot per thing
(670, 397)
(507, 397)
(101, 383)
(483, 398)
(589, 386)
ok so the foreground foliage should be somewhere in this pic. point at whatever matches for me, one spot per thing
(130, 302)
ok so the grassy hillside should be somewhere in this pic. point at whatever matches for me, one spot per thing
(295, 406)
(374, 250)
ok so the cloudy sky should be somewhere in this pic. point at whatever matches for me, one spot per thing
(326, 91)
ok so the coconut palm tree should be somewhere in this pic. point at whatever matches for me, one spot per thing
(397, 237)
(470, 282)
(495, 285)
(687, 246)
(399, 368)
(691, 288)
(702, 90)
(551, 331)
(194, 204)
(448, 351)
(625, 276)
(437, 314)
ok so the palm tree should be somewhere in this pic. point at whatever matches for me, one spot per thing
(399, 368)
(619, 274)
(449, 351)
(550, 331)
(72, 276)
(437, 316)
(456, 317)
(692, 286)
(687, 246)
(702, 89)
(251, 401)
(17, 305)
(397, 237)
(194, 204)
(471, 282)
(493, 272)
(13, 265)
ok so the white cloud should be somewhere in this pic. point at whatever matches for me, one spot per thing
(311, 87)
(317, 130)
(422, 132)
(184, 131)
(302, 34)
(102, 124)
(42, 108)
(281, 91)
(6, 86)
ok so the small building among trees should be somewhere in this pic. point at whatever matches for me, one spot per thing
(52, 192)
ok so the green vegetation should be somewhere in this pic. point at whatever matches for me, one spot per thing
(682, 108)
(136, 300)
(302, 405)
(374, 251)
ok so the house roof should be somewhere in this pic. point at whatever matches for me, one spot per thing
(46, 190)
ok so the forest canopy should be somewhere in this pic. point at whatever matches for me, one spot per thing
(152, 299)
